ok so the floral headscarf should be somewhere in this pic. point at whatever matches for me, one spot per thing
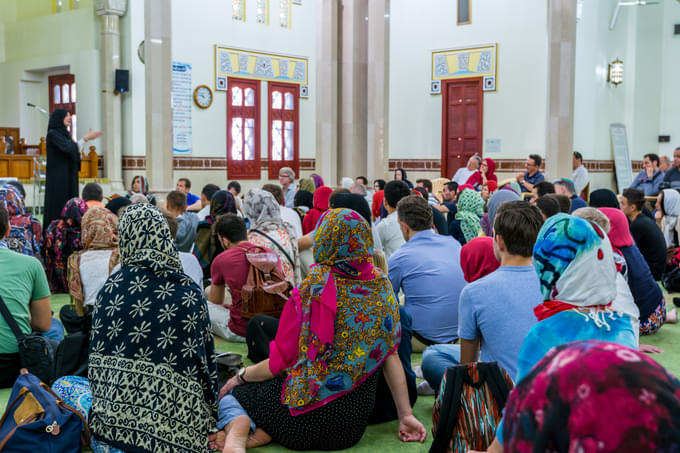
(62, 238)
(575, 264)
(99, 232)
(26, 232)
(593, 396)
(470, 211)
(350, 318)
(264, 212)
(151, 337)
(307, 185)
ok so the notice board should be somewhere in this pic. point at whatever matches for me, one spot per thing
(622, 163)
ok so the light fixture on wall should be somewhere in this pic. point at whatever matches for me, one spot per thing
(615, 73)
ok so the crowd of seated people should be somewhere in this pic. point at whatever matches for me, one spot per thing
(463, 275)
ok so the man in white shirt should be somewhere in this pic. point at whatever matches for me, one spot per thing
(206, 196)
(580, 175)
(388, 229)
(287, 214)
(464, 173)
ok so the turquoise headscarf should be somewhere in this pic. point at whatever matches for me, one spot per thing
(470, 212)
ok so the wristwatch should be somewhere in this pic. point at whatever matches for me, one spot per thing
(241, 375)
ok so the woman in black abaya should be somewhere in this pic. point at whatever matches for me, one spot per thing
(63, 164)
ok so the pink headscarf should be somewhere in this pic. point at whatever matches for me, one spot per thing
(619, 232)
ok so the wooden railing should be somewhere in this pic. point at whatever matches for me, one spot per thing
(21, 164)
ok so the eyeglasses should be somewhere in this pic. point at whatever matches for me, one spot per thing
(529, 164)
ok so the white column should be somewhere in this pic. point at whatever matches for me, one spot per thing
(326, 92)
(158, 75)
(561, 64)
(377, 159)
(110, 12)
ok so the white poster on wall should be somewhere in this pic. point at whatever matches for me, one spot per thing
(181, 108)
(622, 163)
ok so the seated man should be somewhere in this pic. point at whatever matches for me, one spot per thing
(287, 214)
(230, 269)
(206, 195)
(427, 269)
(496, 311)
(187, 222)
(464, 173)
(565, 187)
(540, 189)
(448, 205)
(193, 202)
(533, 174)
(427, 185)
(647, 235)
(93, 195)
(672, 176)
(650, 177)
(26, 294)
(388, 229)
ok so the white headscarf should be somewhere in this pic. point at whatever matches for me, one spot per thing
(671, 208)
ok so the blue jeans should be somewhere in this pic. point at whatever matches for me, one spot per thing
(436, 359)
(229, 409)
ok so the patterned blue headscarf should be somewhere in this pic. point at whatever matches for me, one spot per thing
(152, 358)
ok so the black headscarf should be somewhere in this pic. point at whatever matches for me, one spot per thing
(353, 201)
(381, 183)
(303, 198)
(116, 203)
(403, 177)
(57, 122)
(603, 198)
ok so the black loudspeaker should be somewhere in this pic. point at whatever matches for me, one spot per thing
(122, 81)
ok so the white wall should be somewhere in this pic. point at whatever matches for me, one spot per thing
(200, 24)
(647, 101)
(515, 113)
(670, 101)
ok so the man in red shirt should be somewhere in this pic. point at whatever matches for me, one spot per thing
(229, 269)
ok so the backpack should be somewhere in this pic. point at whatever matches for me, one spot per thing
(469, 407)
(671, 280)
(36, 352)
(37, 420)
(266, 290)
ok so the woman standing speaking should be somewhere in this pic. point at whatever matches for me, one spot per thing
(63, 164)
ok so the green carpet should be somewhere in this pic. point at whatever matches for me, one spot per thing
(384, 437)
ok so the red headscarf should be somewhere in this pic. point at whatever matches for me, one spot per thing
(476, 178)
(478, 259)
(619, 231)
(377, 202)
(320, 205)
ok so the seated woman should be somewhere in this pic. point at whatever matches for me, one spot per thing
(603, 198)
(206, 245)
(646, 292)
(152, 371)
(140, 185)
(267, 229)
(467, 224)
(575, 265)
(317, 388)
(486, 173)
(594, 396)
(24, 227)
(319, 206)
(62, 238)
(89, 268)
(667, 214)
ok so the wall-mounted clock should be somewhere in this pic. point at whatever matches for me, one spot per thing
(203, 96)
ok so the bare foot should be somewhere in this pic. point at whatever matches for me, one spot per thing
(672, 316)
(217, 440)
(237, 435)
(258, 439)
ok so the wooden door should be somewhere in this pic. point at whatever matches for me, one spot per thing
(462, 116)
(63, 96)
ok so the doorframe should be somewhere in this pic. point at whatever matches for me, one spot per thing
(480, 118)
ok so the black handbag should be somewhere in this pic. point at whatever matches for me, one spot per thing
(35, 351)
(72, 355)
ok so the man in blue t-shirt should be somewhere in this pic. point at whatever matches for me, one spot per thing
(532, 175)
(496, 311)
(565, 186)
(193, 202)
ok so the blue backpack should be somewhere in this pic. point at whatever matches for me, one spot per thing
(37, 420)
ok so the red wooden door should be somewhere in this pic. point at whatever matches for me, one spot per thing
(63, 96)
(243, 129)
(462, 106)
